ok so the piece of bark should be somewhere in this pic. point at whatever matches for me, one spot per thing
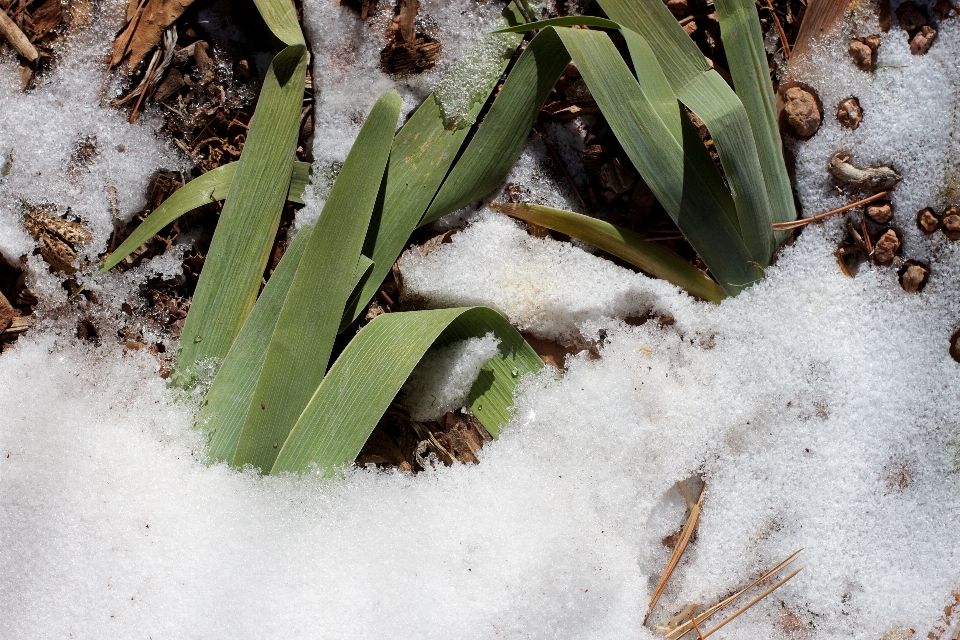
(145, 29)
(12, 33)
(47, 18)
(871, 178)
(408, 20)
(410, 58)
(19, 325)
(6, 313)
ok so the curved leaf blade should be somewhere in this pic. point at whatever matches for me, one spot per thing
(623, 243)
(370, 371)
(210, 187)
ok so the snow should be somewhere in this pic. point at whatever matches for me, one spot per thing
(441, 381)
(820, 410)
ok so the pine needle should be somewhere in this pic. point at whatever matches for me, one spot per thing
(685, 534)
(786, 226)
(684, 629)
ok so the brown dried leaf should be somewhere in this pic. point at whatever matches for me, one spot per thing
(144, 31)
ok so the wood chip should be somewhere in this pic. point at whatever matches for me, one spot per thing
(6, 313)
(871, 178)
(11, 32)
(19, 325)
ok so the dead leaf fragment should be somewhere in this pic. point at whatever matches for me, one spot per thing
(145, 28)
(58, 237)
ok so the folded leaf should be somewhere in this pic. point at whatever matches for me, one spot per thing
(705, 93)
(623, 243)
(368, 374)
(743, 44)
(226, 404)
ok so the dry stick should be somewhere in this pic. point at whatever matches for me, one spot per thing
(20, 42)
(754, 601)
(684, 629)
(780, 31)
(787, 226)
(685, 534)
(136, 108)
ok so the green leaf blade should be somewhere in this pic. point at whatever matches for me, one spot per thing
(373, 367)
(423, 151)
(302, 340)
(623, 243)
(501, 136)
(225, 407)
(240, 248)
(281, 18)
(740, 26)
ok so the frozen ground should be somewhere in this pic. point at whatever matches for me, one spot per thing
(821, 410)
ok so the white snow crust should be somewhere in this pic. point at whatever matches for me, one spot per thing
(442, 380)
(822, 412)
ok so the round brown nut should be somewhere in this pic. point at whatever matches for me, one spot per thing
(955, 345)
(886, 247)
(849, 113)
(880, 212)
(802, 112)
(951, 223)
(873, 42)
(862, 55)
(927, 220)
(914, 278)
(922, 42)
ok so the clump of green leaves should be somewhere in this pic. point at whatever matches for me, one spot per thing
(277, 402)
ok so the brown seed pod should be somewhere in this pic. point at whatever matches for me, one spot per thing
(927, 220)
(849, 113)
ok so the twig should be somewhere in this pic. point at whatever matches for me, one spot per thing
(143, 93)
(20, 42)
(753, 602)
(787, 226)
(685, 534)
(780, 31)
